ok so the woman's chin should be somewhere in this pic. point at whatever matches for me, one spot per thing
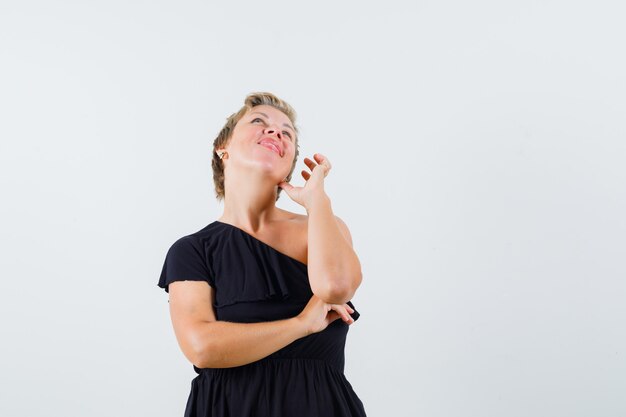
(268, 160)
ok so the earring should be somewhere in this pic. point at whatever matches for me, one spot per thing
(221, 154)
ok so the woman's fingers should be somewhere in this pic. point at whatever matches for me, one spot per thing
(343, 312)
(321, 160)
(309, 163)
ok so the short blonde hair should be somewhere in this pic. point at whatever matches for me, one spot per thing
(252, 100)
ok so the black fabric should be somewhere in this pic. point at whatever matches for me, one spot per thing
(185, 261)
(254, 282)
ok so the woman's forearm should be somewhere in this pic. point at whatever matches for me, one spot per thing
(226, 344)
(333, 266)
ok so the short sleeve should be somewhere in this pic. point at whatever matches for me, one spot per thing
(185, 261)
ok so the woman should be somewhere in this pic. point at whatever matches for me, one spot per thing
(259, 297)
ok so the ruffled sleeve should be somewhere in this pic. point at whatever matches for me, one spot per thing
(186, 260)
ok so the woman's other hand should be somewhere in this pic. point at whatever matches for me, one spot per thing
(314, 186)
(318, 314)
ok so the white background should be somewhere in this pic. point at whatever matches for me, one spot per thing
(478, 153)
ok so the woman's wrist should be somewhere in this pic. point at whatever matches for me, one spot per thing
(301, 327)
(320, 201)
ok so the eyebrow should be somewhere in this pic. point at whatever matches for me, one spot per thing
(284, 124)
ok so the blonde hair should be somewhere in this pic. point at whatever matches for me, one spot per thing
(252, 100)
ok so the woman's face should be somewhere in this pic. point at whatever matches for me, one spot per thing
(264, 138)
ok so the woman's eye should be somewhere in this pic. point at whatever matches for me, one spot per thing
(286, 133)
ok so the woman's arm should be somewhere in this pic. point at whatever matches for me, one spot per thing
(334, 269)
(209, 343)
(227, 344)
(333, 266)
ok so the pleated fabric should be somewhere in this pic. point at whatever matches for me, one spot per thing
(254, 282)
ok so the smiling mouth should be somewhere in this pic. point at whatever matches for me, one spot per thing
(271, 147)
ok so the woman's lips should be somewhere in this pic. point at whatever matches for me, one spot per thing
(271, 146)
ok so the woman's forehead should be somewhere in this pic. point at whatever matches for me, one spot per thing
(269, 111)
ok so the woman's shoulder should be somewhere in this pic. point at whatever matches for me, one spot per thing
(302, 221)
(294, 218)
(207, 234)
(294, 224)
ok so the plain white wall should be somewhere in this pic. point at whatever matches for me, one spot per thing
(478, 154)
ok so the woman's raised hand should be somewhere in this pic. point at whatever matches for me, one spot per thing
(318, 314)
(314, 185)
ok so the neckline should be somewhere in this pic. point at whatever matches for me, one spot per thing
(263, 243)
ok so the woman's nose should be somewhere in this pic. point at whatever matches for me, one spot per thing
(271, 130)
